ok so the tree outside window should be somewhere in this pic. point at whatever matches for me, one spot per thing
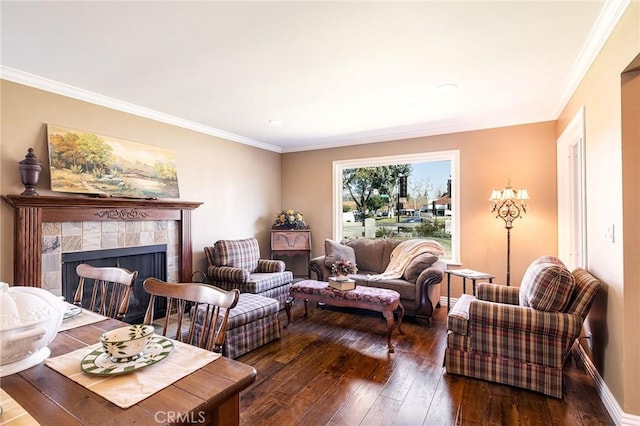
(398, 197)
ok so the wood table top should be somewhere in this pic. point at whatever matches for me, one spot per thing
(52, 398)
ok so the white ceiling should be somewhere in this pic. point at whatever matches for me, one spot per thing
(334, 73)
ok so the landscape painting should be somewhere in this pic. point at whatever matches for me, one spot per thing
(89, 163)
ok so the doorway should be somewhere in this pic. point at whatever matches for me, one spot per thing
(571, 194)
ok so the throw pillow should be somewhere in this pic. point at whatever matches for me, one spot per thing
(417, 265)
(529, 277)
(335, 251)
(547, 286)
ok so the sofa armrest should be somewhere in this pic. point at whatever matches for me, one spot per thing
(526, 334)
(270, 265)
(227, 274)
(427, 293)
(432, 275)
(498, 293)
(321, 270)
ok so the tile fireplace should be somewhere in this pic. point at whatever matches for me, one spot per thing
(35, 243)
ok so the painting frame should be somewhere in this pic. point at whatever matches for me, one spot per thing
(84, 162)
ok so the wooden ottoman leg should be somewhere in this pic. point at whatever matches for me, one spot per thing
(388, 314)
(287, 308)
(400, 316)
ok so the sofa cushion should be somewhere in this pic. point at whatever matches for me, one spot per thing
(417, 265)
(260, 282)
(242, 254)
(373, 255)
(547, 285)
(335, 251)
(407, 290)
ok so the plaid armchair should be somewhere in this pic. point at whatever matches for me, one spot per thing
(237, 264)
(521, 336)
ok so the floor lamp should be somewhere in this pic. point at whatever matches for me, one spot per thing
(509, 204)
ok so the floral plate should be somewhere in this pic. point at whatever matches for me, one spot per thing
(72, 311)
(99, 363)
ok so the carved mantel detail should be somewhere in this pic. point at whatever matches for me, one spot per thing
(119, 214)
(31, 211)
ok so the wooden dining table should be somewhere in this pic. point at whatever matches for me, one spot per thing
(209, 395)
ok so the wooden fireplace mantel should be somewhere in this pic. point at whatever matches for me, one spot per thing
(31, 211)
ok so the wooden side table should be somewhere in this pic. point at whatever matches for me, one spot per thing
(465, 274)
(291, 242)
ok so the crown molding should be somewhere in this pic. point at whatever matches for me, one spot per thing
(393, 135)
(606, 22)
(31, 80)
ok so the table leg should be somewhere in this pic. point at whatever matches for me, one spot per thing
(227, 413)
(306, 313)
(287, 308)
(448, 292)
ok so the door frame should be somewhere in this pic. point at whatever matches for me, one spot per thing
(571, 187)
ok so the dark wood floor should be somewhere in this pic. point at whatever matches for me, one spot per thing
(332, 368)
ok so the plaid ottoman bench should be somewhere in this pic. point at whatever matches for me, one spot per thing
(252, 323)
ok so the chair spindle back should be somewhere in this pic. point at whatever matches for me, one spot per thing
(111, 291)
(193, 299)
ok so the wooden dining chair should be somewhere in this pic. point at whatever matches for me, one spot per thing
(111, 291)
(211, 303)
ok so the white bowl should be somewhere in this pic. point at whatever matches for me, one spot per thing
(125, 344)
(30, 318)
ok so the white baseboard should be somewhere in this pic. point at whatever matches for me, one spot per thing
(615, 411)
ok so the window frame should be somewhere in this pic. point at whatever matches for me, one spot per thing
(450, 155)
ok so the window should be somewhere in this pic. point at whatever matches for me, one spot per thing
(403, 196)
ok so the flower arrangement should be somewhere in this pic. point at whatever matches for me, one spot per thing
(290, 219)
(343, 267)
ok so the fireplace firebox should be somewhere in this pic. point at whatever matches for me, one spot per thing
(149, 261)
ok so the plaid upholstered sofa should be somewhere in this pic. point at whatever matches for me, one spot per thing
(521, 336)
(237, 264)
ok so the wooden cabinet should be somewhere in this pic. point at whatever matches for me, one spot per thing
(291, 242)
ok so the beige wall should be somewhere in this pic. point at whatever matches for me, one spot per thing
(243, 188)
(239, 185)
(616, 339)
(631, 227)
(488, 158)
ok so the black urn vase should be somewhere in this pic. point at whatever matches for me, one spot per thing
(30, 169)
